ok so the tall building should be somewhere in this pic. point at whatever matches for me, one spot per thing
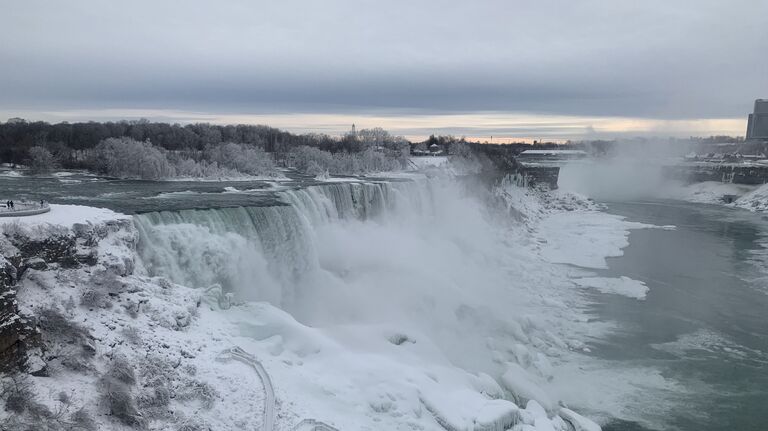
(757, 122)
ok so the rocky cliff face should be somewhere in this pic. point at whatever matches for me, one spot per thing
(88, 341)
(24, 248)
(13, 327)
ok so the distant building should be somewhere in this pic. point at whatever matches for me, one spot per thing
(435, 149)
(757, 122)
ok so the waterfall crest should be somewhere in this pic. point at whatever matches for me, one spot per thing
(261, 252)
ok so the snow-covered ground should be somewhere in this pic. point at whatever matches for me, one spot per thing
(750, 197)
(66, 215)
(755, 200)
(429, 318)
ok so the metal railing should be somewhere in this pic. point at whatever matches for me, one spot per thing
(23, 208)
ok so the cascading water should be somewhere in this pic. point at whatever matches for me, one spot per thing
(260, 253)
(341, 201)
(423, 257)
(349, 252)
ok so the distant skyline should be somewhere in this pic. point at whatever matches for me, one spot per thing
(509, 69)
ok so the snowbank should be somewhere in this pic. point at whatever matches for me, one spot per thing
(749, 197)
(67, 215)
(709, 192)
(756, 200)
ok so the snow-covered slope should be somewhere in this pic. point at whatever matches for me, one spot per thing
(756, 200)
(750, 197)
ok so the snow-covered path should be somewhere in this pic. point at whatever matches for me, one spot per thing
(238, 354)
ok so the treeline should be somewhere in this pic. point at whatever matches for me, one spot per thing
(143, 149)
(127, 158)
(17, 136)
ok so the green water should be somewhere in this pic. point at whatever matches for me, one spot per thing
(704, 322)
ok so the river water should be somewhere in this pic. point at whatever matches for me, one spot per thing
(704, 322)
(142, 196)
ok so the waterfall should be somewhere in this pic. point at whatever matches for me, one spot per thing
(260, 253)
(437, 261)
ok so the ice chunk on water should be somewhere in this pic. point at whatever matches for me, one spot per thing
(620, 286)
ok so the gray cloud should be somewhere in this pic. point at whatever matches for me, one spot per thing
(655, 59)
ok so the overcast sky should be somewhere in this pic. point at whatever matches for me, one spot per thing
(514, 68)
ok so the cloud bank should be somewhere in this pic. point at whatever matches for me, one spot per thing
(685, 62)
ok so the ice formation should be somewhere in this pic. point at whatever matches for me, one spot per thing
(404, 304)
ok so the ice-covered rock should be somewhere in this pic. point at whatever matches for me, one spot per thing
(524, 386)
(469, 411)
(578, 422)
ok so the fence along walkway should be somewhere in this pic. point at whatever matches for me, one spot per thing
(21, 209)
(238, 354)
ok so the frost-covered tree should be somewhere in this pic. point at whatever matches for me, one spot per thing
(127, 158)
(317, 162)
(380, 138)
(304, 157)
(241, 158)
(40, 159)
(374, 137)
(459, 149)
